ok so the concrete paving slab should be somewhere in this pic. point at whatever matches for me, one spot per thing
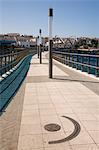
(47, 100)
(50, 99)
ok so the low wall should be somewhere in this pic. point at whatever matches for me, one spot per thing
(10, 118)
(10, 85)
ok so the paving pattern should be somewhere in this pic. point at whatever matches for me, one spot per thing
(10, 122)
(47, 100)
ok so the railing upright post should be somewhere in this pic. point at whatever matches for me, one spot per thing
(72, 60)
(65, 60)
(10, 59)
(1, 65)
(77, 62)
(68, 59)
(40, 50)
(82, 63)
(5, 63)
(97, 65)
(88, 64)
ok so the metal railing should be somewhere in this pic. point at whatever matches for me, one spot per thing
(85, 62)
(12, 58)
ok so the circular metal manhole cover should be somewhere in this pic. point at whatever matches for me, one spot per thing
(52, 127)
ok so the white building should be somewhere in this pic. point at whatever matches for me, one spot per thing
(24, 43)
(33, 42)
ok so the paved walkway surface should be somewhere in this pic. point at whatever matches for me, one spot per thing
(47, 100)
(10, 122)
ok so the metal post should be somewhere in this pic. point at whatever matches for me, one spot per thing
(66, 59)
(40, 54)
(77, 62)
(72, 60)
(40, 50)
(1, 59)
(11, 58)
(50, 41)
(88, 64)
(97, 65)
(38, 46)
(82, 63)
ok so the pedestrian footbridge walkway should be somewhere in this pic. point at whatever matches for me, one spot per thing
(60, 113)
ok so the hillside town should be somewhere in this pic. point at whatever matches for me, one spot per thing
(28, 41)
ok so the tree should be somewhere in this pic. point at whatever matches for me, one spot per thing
(94, 43)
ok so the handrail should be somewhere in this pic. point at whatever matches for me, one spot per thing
(86, 55)
(6, 55)
(73, 60)
(95, 67)
(8, 61)
(9, 54)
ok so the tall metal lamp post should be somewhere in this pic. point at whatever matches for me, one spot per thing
(50, 14)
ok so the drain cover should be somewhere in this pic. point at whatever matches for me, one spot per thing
(52, 127)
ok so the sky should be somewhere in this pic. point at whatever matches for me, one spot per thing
(70, 17)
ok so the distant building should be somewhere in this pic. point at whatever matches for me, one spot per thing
(13, 34)
(26, 41)
(33, 42)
